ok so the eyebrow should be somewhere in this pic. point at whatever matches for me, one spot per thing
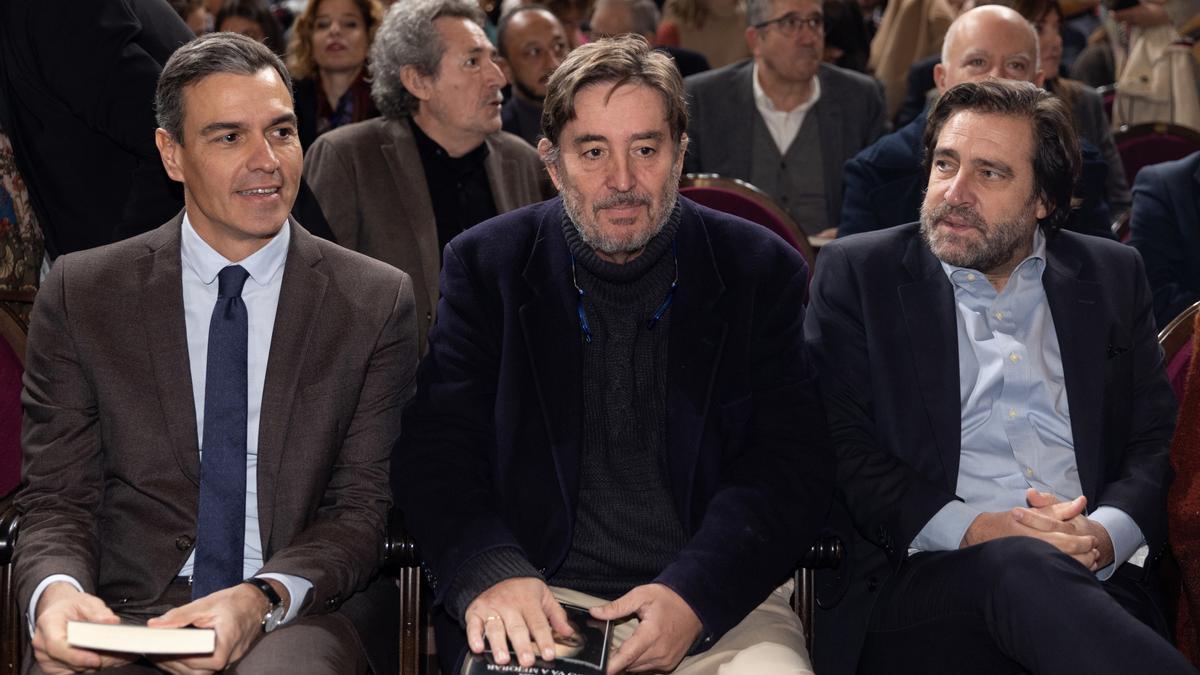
(599, 138)
(983, 163)
(208, 130)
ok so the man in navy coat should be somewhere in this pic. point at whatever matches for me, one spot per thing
(1000, 416)
(1165, 228)
(617, 409)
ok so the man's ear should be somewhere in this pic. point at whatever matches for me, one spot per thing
(683, 146)
(752, 39)
(544, 147)
(939, 77)
(168, 150)
(417, 84)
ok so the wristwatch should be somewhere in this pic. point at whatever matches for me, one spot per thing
(275, 612)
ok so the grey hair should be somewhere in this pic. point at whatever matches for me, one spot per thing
(407, 38)
(1002, 12)
(212, 54)
(757, 11)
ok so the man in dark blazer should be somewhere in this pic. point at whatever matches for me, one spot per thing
(290, 385)
(616, 409)
(790, 131)
(1165, 229)
(997, 403)
(398, 187)
(884, 183)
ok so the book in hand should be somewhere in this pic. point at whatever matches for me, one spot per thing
(140, 639)
(583, 653)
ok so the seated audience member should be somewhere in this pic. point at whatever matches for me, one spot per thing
(1001, 418)
(1087, 108)
(194, 14)
(783, 120)
(714, 28)
(328, 57)
(176, 444)
(611, 18)
(885, 182)
(590, 430)
(397, 188)
(531, 45)
(253, 19)
(1165, 228)
(78, 84)
(909, 31)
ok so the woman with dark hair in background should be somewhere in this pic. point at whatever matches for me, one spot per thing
(328, 58)
(253, 19)
(194, 14)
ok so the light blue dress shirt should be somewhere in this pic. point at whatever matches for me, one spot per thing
(1016, 424)
(200, 265)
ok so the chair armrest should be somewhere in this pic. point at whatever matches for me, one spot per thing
(399, 550)
(10, 522)
(825, 554)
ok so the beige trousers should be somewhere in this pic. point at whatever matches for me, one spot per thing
(768, 641)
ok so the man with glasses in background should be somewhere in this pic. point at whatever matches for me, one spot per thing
(794, 156)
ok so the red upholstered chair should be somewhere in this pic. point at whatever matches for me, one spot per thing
(1178, 340)
(12, 366)
(1145, 144)
(739, 198)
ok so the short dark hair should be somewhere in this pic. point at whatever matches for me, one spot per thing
(502, 27)
(211, 54)
(627, 59)
(258, 12)
(1056, 159)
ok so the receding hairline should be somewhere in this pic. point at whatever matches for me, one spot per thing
(988, 15)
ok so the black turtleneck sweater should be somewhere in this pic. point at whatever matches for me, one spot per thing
(626, 527)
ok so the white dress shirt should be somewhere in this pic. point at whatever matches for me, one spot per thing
(783, 124)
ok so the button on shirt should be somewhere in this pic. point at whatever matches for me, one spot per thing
(1016, 424)
(783, 124)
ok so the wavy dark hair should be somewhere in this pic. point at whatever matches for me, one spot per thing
(1056, 160)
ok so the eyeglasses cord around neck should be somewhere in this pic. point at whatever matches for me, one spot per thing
(650, 323)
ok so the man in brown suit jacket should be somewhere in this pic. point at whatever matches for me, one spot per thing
(398, 188)
(127, 357)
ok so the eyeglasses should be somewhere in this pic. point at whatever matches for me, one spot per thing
(790, 23)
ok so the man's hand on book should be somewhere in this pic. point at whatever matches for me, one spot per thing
(236, 614)
(516, 610)
(61, 602)
(667, 628)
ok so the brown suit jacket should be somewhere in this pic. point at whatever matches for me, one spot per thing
(371, 186)
(110, 435)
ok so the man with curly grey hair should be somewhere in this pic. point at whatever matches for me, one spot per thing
(398, 188)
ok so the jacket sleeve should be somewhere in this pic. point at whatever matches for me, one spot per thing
(1155, 232)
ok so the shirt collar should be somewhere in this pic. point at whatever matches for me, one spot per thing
(204, 261)
(764, 101)
(1031, 266)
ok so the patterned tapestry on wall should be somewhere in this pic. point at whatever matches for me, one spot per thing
(20, 236)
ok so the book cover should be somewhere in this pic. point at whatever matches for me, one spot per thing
(584, 653)
(140, 639)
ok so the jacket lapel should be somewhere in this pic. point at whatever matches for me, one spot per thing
(161, 280)
(404, 165)
(929, 315)
(830, 113)
(501, 172)
(297, 316)
(694, 345)
(736, 140)
(548, 316)
(1082, 339)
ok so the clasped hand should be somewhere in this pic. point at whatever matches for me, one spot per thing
(1061, 524)
(235, 613)
(523, 612)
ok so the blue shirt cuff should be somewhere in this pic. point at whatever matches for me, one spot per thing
(297, 588)
(1126, 536)
(945, 530)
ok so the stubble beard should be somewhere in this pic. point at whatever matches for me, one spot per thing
(588, 224)
(996, 245)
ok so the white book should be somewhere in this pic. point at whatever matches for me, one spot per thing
(140, 639)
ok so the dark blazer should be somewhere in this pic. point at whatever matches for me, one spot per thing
(111, 454)
(687, 61)
(490, 456)
(77, 83)
(721, 128)
(885, 184)
(370, 184)
(882, 327)
(1165, 228)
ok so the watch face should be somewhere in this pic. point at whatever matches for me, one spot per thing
(271, 620)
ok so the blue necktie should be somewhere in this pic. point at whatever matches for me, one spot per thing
(221, 526)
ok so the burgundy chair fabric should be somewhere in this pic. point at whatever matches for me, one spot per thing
(739, 205)
(10, 419)
(1152, 148)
